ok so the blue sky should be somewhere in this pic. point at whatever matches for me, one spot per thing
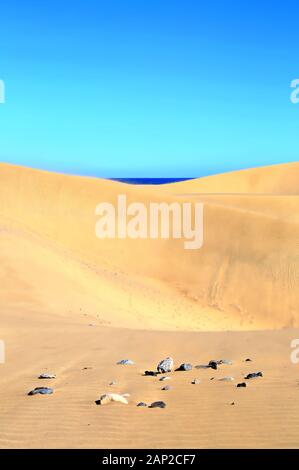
(148, 88)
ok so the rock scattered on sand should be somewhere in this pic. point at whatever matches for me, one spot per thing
(225, 361)
(167, 387)
(232, 403)
(125, 362)
(213, 365)
(151, 373)
(165, 377)
(141, 404)
(111, 397)
(184, 367)
(226, 379)
(253, 375)
(41, 391)
(112, 383)
(158, 404)
(241, 385)
(248, 360)
(195, 381)
(166, 365)
(47, 376)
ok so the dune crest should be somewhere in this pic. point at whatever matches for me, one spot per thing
(275, 179)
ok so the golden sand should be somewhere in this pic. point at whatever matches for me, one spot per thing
(69, 300)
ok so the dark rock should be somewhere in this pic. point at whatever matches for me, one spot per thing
(141, 404)
(151, 372)
(242, 384)
(184, 367)
(158, 404)
(253, 375)
(166, 365)
(213, 365)
(167, 387)
(232, 403)
(41, 391)
(248, 360)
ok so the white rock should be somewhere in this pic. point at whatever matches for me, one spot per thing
(166, 365)
(47, 376)
(226, 379)
(109, 397)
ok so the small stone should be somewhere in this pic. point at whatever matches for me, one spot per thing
(241, 385)
(226, 379)
(125, 362)
(225, 361)
(47, 376)
(112, 383)
(165, 377)
(41, 391)
(111, 397)
(253, 375)
(184, 367)
(141, 404)
(166, 365)
(248, 360)
(213, 365)
(167, 387)
(195, 381)
(158, 404)
(151, 372)
(232, 403)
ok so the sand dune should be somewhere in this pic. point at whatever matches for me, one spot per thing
(275, 179)
(246, 274)
(69, 301)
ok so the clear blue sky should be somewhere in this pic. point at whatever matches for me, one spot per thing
(175, 88)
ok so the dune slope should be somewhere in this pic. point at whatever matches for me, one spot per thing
(244, 277)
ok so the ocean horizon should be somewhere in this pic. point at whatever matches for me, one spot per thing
(151, 180)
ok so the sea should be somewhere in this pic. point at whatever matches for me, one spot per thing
(150, 180)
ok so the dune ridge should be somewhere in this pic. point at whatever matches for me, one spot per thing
(274, 179)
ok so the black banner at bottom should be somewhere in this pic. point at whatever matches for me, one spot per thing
(135, 458)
